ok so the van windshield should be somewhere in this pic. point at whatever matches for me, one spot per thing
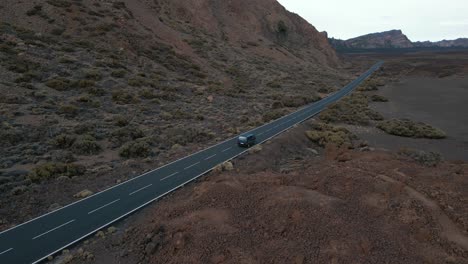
(242, 138)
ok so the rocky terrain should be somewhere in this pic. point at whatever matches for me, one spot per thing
(89, 88)
(393, 39)
(96, 92)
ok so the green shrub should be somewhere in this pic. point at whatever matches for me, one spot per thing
(123, 97)
(36, 10)
(274, 114)
(53, 170)
(137, 82)
(126, 134)
(67, 60)
(27, 77)
(63, 141)
(135, 149)
(430, 159)
(57, 31)
(59, 84)
(147, 94)
(325, 134)
(86, 145)
(21, 65)
(93, 75)
(408, 128)
(118, 73)
(9, 135)
(68, 110)
(378, 98)
(121, 121)
(371, 85)
(351, 110)
(59, 3)
(281, 27)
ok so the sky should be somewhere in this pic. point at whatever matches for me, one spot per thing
(420, 20)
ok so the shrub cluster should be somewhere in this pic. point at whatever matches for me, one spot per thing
(324, 134)
(351, 110)
(135, 149)
(53, 170)
(408, 128)
(430, 159)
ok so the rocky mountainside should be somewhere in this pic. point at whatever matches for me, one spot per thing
(461, 42)
(392, 39)
(387, 39)
(94, 92)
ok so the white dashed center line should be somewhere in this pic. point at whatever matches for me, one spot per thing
(227, 149)
(97, 209)
(53, 229)
(260, 133)
(195, 164)
(10, 249)
(268, 130)
(167, 177)
(210, 157)
(141, 189)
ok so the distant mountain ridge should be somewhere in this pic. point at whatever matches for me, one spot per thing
(392, 39)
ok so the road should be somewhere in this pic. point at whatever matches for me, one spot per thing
(43, 236)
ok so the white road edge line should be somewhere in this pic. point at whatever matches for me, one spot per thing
(53, 229)
(167, 177)
(8, 250)
(143, 205)
(141, 189)
(195, 164)
(210, 157)
(97, 209)
(226, 149)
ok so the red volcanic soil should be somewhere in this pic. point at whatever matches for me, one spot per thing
(285, 205)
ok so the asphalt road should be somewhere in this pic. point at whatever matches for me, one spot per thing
(35, 240)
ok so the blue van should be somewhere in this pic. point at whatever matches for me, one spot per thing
(246, 140)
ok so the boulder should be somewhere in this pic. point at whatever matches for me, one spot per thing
(83, 194)
(227, 166)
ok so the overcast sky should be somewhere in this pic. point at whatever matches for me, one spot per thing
(419, 19)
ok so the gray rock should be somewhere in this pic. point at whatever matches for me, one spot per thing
(313, 151)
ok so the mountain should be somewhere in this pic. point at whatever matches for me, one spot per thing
(392, 39)
(461, 42)
(387, 39)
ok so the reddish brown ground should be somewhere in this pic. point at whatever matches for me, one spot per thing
(285, 205)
